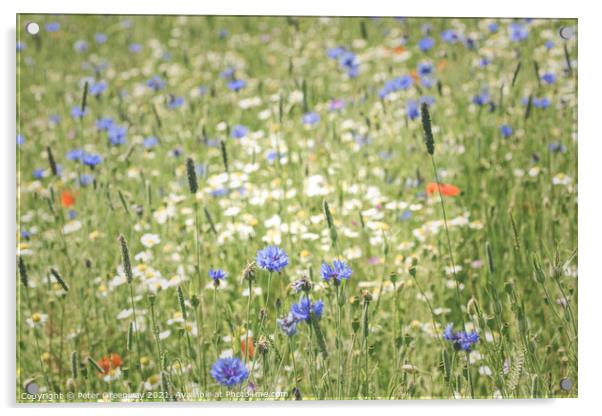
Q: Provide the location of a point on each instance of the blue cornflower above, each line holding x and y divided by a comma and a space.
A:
98, 87
236, 84
21, 46
426, 44
549, 44
25, 234
91, 159
288, 325
272, 258
155, 83
412, 109
310, 118
406, 215
150, 142
239, 131
338, 271
484, 61
220, 192
53, 27
104, 123
100, 38
518, 32
353, 71
39, 173
86, 179
425, 68
117, 135
305, 309
273, 155
427, 82
20, 139
175, 102
481, 99
541, 102
76, 112
449, 36
75, 155
400, 83
548, 78
493, 27
461, 340
427, 99
72, 214
217, 275
361, 139
229, 371
348, 61
80, 46
506, 130
335, 53
227, 73
135, 47
556, 147
301, 285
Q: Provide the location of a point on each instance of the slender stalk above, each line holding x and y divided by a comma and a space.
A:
448, 239
136, 336
248, 317
339, 346
215, 334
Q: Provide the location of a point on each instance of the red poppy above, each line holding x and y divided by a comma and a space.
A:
243, 347
67, 199
112, 361
445, 189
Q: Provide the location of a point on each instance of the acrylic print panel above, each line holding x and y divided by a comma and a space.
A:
295, 208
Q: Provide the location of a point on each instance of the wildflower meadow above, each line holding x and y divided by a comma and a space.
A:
295, 208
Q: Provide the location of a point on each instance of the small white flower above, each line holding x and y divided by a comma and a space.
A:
71, 227
562, 179
37, 320
125, 313
150, 240
113, 375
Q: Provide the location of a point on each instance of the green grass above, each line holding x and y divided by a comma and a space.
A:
512, 231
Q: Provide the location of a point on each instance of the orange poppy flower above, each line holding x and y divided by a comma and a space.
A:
243, 347
445, 189
414, 75
398, 50
112, 361
67, 199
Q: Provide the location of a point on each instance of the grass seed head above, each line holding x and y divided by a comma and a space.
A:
59, 279
428, 132
23, 272
125, 257
193, 184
